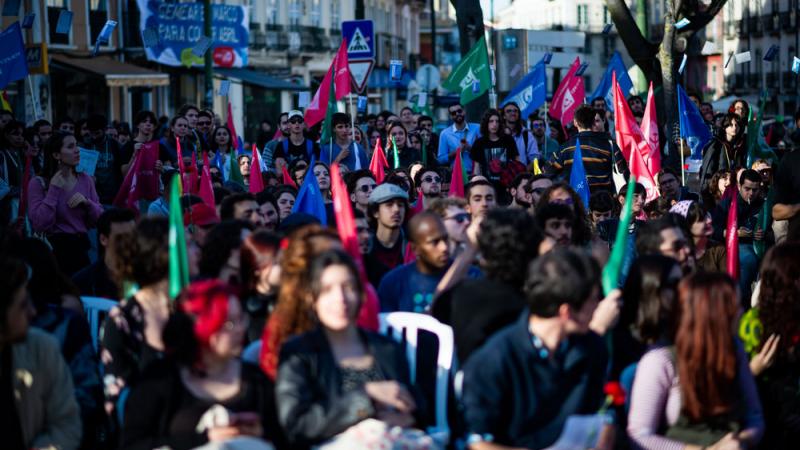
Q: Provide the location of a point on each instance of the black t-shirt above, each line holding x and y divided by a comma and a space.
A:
493, 155
296, 151
787, 187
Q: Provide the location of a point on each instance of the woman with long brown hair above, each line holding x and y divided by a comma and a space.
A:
699, 390
260, 279
777, 363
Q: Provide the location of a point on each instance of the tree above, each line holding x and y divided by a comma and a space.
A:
658, 60
469, 19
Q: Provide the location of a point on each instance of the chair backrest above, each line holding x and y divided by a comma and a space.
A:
409, 324
94, 307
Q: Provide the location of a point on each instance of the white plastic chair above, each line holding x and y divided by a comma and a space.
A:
94, 307
251, 352
410, 324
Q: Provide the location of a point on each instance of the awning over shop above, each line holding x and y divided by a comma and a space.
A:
381, 79
116, 73
260, 79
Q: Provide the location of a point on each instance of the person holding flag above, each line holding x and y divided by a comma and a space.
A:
343, 149
595, 148
457, 138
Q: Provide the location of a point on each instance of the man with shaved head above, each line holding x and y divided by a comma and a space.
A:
410, 287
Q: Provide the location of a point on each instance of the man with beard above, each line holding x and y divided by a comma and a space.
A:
555, 220
526, 144
458, 137
108, 171
411, 287
388, 206
547, 145
521, 193
429, 180
283, 133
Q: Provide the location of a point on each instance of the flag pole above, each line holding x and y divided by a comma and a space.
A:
683, 175
36, 112
352, 121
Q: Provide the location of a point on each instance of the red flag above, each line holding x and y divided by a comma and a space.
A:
256, 182
142, 180
287, 179
194, 181
341, 80
569, 95
457, 179
234, 137
346, 227
650, 132
732, 234
378, 163
318, 107
632, 142
206, 188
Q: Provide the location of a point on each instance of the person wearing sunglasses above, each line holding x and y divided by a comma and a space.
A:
429, 182
456, 219
360, 185
458, 137
298, 146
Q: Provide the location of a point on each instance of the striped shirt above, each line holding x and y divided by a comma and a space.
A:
596, 152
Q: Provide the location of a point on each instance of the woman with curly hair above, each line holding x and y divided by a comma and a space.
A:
777, 361
293, 312
698, 393
131, 338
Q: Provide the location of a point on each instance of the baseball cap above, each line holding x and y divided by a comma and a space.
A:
295, 113
201, 215
386, 192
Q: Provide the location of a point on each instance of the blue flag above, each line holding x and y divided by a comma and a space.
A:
693, 127
217, 161
13, 63
309, 198
531, 92
577, 176
604, 88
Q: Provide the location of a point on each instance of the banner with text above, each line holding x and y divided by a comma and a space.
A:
179, 27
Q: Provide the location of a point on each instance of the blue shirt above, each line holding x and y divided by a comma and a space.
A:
450, 140
328, 154
406, 289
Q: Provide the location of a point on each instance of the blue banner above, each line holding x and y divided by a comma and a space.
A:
577, 176
693, 127
309, 198
531, 91
180, 25
13, 63
604, 88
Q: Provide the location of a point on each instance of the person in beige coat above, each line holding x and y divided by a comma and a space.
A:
33, 375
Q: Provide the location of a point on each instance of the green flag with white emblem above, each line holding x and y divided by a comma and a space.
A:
472, 76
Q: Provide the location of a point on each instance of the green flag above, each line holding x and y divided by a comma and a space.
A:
613, 268
178, 260
474, 66
235, 174
327, 125
757, 147
396, 162
762, 222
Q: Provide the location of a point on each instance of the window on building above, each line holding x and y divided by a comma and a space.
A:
336, 19
272, 12
54, 8
583, 15
606, 18
295, 12
98, 15
316, 14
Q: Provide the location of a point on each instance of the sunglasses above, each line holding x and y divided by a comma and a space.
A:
432, 180
367, 187
537, 125
460, 218
537, 191
296, 121
203, 123
456, 112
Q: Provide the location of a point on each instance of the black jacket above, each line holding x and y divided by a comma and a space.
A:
311, 405
719, 155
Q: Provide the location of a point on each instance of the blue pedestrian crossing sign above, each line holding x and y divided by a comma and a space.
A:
360, 36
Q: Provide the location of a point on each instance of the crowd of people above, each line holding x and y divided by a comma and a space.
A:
274, 343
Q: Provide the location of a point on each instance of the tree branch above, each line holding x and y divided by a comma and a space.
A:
641, 50
699, 19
